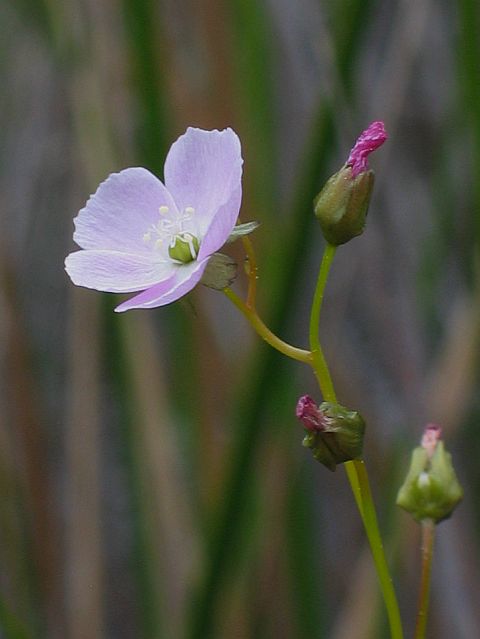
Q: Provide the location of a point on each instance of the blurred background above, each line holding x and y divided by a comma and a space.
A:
152, 481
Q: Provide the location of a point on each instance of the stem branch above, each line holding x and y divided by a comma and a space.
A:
265, 333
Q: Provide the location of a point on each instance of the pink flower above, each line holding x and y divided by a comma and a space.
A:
373, 137
138, 234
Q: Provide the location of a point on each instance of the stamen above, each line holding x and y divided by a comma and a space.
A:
170, 228
165, 226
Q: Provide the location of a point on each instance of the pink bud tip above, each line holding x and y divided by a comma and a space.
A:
430, 438
373, 137
308, 413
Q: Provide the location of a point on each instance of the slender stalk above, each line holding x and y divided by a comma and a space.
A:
356, 470
319, 363
373, 533
428, 537
265, 333
252, 271
352, 476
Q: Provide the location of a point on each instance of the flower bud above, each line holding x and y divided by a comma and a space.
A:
334, 433
342, 204
431, 489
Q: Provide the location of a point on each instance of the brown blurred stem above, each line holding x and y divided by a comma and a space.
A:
428, 538
252, 271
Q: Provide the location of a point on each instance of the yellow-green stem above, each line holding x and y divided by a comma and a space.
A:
373, 534
265, 333
319, 363
356, 470
428, 537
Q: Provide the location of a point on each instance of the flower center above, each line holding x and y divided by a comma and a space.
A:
172, 233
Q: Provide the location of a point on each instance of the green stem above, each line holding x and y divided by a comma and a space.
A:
428, 537
373, 533
319, 363
265, 333
356, 470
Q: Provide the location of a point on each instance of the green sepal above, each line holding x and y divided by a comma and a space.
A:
340, 440
324, 455
220, 272
342, 205
242, 229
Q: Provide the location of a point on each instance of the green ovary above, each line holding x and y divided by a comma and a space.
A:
184, 248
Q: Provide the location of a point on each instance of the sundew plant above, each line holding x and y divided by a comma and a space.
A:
239, 319
138, 234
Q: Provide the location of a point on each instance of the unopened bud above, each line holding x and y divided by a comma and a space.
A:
334, 433
431, 489
342, 204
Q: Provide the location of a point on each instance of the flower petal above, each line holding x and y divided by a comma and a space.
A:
203, 170
116, 272
221, 226
186, 277
121, 211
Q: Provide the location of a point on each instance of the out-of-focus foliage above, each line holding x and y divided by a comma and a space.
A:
152, 479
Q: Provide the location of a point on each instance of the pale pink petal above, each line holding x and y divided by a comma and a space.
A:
121, 211
186, 277
116, 272
203, 170
221, 226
